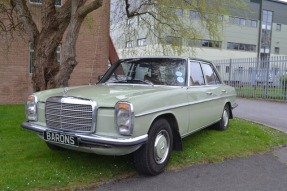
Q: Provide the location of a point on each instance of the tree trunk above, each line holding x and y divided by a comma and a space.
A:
69, 60
47, 73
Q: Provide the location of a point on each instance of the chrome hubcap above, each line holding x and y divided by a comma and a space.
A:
161, 146
225, 118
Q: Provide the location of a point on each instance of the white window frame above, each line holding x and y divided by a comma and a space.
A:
276, 50
278, 27
31, 55
59, 55
39, 2
129, 44
141, 42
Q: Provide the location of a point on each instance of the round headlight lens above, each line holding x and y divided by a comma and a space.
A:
31, 108
124, 118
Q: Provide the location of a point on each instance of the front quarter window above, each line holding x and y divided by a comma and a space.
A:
210, 75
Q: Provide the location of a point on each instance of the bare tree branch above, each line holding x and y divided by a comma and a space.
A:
84, 10
26, 18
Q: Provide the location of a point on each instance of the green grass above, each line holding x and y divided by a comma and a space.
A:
259, 92
27, 163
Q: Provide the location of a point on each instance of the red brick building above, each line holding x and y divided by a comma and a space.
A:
92, 55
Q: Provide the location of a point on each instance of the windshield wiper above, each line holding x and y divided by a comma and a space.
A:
134, 82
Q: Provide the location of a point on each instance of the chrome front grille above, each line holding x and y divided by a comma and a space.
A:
70, 114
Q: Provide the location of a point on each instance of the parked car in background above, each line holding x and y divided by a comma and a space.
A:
143, 106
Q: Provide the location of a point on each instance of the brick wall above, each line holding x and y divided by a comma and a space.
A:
92, 55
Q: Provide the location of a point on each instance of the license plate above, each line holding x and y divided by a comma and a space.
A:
61, 138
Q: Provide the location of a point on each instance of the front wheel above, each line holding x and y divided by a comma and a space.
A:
153, 156
224, 121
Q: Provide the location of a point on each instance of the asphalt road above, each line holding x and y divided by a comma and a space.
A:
270, 113
261, 172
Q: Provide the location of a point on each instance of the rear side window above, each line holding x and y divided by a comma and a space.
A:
209, 74
196, 76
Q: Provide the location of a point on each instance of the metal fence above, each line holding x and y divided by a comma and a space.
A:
255, 78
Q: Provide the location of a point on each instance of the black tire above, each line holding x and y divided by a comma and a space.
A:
153, 156
54, 147
224, 121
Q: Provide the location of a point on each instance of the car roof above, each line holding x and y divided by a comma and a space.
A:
166, 57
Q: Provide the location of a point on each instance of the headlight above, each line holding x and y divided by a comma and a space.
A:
31, 108
124, 118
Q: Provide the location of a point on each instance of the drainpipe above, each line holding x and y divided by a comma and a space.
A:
260, 32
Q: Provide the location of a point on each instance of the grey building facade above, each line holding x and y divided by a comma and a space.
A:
258, 32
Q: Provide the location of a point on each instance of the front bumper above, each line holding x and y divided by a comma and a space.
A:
91, 140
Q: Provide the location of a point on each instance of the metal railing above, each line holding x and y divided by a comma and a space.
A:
255, 78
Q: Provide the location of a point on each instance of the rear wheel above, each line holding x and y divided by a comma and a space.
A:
153, 156
224, 121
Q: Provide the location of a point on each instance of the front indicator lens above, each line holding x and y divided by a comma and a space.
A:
31, 108
124, 118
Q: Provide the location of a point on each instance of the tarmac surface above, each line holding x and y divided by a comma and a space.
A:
269, 113
260, 172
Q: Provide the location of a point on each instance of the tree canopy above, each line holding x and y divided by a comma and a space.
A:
154, 17
157, 19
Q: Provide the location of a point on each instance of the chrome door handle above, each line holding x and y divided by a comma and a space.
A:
209, 93
223, 91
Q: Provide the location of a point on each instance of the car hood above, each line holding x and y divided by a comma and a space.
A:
104, 95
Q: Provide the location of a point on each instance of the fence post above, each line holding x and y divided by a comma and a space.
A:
267, 77
229, 77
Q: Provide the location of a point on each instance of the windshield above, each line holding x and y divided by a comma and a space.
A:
156, 71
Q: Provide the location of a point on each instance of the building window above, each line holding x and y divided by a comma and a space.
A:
242, 21
129, 44
129, 22
236, 20
39, 2
227, 69
59, 57
240, 46
210, 43
267, 20
240, 69
204, 43
277, 50
173, 40
278, 27
194, 43
254, 23
194, 14
220, 17
32, 56
141, 42
218, 68
177, 11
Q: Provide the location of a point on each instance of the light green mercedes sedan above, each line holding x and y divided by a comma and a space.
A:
143, 106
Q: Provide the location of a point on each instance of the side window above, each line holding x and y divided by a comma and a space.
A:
196, 76
209, 74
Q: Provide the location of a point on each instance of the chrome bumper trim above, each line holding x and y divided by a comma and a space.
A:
91, 138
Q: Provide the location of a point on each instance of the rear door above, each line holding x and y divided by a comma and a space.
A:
216, 91
199, 97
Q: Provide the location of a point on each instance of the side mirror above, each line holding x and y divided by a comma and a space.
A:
100, 77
